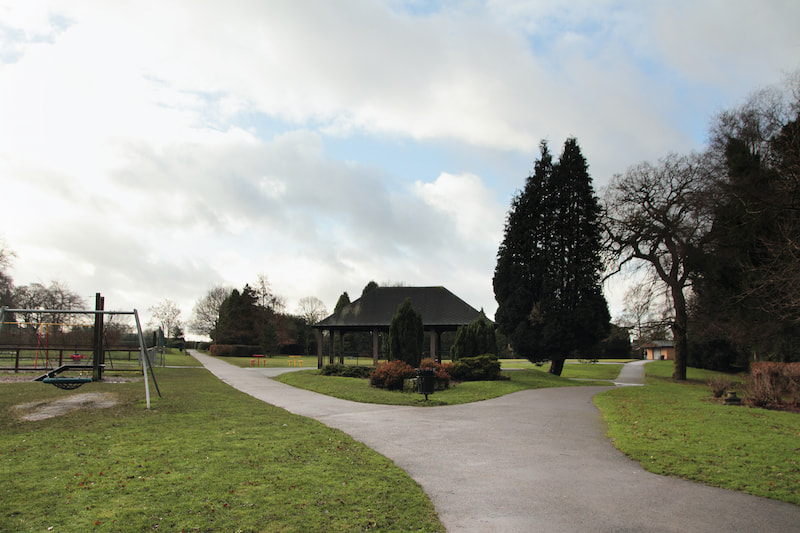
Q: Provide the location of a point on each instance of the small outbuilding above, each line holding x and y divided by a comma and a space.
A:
441, 311
658, 350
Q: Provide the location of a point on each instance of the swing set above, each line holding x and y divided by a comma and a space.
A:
43, 341
99, 345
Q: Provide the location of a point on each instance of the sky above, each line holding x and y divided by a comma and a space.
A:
151, 150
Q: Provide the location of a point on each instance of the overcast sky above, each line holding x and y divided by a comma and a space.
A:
153, 149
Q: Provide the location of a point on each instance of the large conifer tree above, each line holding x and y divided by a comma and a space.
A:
547, 280
406, 335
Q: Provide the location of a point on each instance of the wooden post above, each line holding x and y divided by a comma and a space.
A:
318, 335
375, 347
433, 344
333, 346
97, 344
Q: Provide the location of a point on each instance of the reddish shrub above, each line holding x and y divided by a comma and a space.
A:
719, 385
442, 375
391, 375
773, 384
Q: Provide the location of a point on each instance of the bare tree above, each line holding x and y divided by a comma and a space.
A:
42, 297
6, 281
661, 215
638, 307
166, 315
60, 296
266, 298
647, 307
205, 313
311, 309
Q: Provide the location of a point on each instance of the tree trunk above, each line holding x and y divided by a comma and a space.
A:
556, 366
679, 335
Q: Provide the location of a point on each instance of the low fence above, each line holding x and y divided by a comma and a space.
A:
37, 359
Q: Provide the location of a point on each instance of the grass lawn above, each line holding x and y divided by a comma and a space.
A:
358, 390
283, 361
572, 369
205, 458
678, 429
175, 357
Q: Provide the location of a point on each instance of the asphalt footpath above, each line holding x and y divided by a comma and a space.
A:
531, 461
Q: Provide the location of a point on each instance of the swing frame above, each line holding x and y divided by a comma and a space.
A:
70, 383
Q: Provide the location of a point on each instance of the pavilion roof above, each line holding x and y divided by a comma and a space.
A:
438, 306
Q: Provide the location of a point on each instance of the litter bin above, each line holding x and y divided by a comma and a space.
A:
426, 381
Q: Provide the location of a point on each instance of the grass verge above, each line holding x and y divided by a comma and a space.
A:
677, 429
358, 390
205, 458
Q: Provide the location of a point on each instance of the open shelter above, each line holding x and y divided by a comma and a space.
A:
441, 311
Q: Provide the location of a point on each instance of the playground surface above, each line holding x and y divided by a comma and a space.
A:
535, 460
60, 406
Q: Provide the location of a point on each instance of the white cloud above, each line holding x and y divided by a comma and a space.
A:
163, 147
468, 203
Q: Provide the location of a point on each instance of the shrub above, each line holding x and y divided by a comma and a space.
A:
406, 334
719, 385
234, 350
773, 384
333, 369
481, 368
473, 339
391, 375
346, 371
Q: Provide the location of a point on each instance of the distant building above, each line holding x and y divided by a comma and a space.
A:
441, 311
658, 350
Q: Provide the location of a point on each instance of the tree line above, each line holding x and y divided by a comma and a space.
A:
56, 295
255, 316
713, 235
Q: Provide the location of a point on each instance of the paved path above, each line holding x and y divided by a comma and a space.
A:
535, 460
631, 374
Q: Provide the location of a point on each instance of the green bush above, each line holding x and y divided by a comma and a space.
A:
406, 335
475, 338
480, 368
346, 371
391, 375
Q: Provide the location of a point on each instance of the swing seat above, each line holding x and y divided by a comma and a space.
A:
67, 383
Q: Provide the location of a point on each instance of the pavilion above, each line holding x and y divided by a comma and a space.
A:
441, 311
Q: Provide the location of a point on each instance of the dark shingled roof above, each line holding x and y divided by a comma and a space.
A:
439, 308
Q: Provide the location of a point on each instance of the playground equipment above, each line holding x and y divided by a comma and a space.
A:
98, 360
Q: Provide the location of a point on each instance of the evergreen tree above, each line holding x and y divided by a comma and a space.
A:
368, 287
342, 302
547, 280
239, 319
475, 338
406, 335
747, 295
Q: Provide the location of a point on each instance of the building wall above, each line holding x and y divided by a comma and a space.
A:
665, 352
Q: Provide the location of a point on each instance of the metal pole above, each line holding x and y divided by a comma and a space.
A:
143, 355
